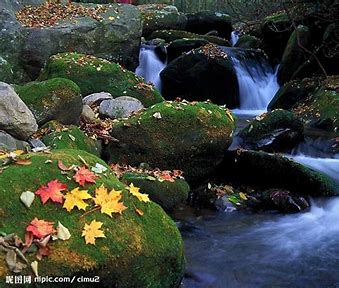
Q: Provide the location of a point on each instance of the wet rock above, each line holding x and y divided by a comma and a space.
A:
248, 42
54, 99
264, 170
294, 55
161, 16
96, 98
191, 137
9, 143
15, 117
121, 107
204, 73
206, 21
330, 53
177, 47
95, 75
276, 131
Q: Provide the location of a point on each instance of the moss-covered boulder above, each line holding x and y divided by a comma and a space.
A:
292, 93
177, 47
265, 171
171, 35
247, 41
137, 251
330, 53
59, 136
294, 55
161, 16
276, 30
206, 21
191, 137
321, 109
204, 73
54, 99
276, 131
96, 75
167, 194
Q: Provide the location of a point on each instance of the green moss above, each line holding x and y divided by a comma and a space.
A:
48, 99
96, 75
276, 18
138, 251
171, 35
248, 42
188, 136
69, 137
167, 194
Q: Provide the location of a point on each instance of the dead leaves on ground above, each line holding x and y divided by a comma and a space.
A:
92, 231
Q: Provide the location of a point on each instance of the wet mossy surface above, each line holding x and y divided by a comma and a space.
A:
98, 75
167, 194
189, 136
138, 251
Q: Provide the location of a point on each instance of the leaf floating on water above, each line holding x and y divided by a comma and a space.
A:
62, 232
92, 231
27, 198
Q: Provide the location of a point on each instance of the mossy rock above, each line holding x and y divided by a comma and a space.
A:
171, 35
265, 171
6, 71
137, 251
248, 42
276, 131
191, 137
200, 76
69, 137
96, 75
159, 17
54, 99
294, 56
330, 53
177, 47
292, 93
167, 194
321, 109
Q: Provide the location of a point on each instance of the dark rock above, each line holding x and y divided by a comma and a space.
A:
248, 42
330, 53
180, 46
204, 73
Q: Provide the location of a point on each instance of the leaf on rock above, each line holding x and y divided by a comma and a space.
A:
83, 175
99, 169
109, 202
27, 198
22, 161
76, 198
63, 167
40, 228
52, 191
34, 266
135, 192
92, 231
139, 212
62, 232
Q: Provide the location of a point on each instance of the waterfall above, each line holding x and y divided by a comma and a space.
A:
234, 37
150, 65
257, 80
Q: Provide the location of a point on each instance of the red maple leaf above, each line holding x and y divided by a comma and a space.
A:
83, 175
40, 228
52, 191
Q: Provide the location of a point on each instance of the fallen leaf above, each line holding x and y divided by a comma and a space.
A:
76, 198
99, 169
62, 232
92, 231
83, 175
242, 196
63, 167
23, 162
135, 192
139, 212
52, 191
157, 115
40, 228
34, 266
27, 198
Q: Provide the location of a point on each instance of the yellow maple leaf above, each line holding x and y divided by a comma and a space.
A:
76, 198
135, 192
92, 231
109, 202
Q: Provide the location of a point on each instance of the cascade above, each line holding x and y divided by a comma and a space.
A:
234, 37
150, 65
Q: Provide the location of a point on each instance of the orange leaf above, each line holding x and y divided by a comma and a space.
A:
52, 191
84, 175
63, 167
40, 228
140, 212
23, 161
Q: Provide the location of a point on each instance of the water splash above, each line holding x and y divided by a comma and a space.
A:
150, 65
234, 37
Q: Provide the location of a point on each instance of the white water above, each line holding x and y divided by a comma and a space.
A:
150, 66
234, 37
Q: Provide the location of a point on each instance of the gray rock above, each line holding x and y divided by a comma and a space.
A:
9, 143
121, 107
96, 98
88, 113
15, 117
